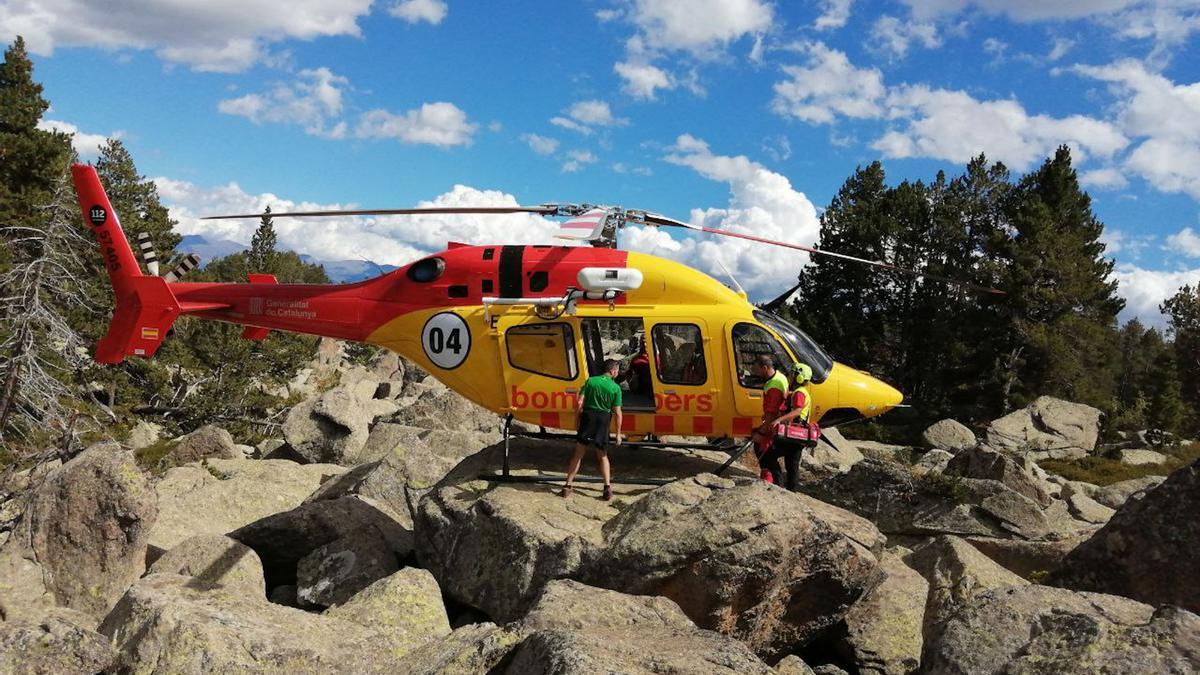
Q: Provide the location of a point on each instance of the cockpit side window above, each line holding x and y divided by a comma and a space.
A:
750, 340
803, 346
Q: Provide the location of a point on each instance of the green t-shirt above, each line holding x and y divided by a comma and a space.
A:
600, 393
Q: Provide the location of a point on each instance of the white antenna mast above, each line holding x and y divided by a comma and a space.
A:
731, 277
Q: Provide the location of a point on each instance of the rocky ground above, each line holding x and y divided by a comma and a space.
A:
363, 540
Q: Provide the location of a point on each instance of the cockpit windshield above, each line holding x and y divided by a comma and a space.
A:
805, 348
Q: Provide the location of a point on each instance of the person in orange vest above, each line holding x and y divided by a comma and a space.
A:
788, 431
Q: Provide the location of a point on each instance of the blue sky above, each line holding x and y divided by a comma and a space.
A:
745, 114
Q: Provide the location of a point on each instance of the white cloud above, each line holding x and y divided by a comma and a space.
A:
313, 101
606, 15
952, 125
595, 113
571, 124
1019, 10
577, 159
208, 35
440, 123
1186, 241
87, 145
414, 11
761, 202
700, 26
1169, 23
1060, 49
1144, 290
834, 14
542, 145
894, 35
642, 80
828, 85
1165, 114
394, 240
1107, 178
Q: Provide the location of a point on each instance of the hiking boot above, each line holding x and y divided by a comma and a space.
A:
566, 492
607, 493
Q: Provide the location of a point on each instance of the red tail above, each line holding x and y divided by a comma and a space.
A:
146, 307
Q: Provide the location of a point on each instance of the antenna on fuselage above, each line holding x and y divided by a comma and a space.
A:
731, 277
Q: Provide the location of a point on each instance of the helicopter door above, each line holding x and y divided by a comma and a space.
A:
687, 391
541, 370
748, 341
623, 340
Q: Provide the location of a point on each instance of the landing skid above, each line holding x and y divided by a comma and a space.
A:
506, 475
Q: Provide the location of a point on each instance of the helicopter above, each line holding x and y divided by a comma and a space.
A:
517, 329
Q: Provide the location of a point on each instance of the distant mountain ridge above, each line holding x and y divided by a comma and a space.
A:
340, 271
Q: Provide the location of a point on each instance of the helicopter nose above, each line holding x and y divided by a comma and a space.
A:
864, 393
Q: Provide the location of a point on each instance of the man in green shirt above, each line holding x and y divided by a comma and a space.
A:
599, 398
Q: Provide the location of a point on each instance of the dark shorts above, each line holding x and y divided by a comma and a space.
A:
593, 428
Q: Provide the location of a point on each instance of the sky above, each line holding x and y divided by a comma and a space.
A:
742, 114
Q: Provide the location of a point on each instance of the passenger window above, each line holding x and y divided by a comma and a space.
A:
545, 348
749, 341
679, 352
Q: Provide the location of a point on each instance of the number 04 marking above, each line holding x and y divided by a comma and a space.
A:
446, 340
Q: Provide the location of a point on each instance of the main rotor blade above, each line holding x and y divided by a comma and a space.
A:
547, 210
655, 219
778, 302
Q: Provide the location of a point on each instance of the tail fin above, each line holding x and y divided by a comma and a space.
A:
145, 305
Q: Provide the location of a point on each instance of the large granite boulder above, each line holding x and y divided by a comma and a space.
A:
207, 442
1030, 559
165, 624
1039, 629
229, 493
884, 630
740, 557
437, 407
474, 648
493, 546
956, 573
570, 605
834, 453
58, 643
87, 527
334, 572
1147, 549
986, 463
214, 560
1048, 428
949, 435
900, 502
633, 650
336, 423
283, 540
407, 605
1116, 494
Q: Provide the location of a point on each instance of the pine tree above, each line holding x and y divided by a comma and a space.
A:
261, 257
1062, 305
1183, 314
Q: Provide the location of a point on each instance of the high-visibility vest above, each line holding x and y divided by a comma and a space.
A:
777, 381
807, 407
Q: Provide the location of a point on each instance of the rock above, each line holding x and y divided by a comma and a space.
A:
406, 605
207, 442
956, 572
1140, 457
1048, 428
949, 435
164, 624
1115, 495
23, 592
884, 629
1039, 629
1149, 546
570, 605
282, 540
56, 643
193, 501
144, 434
493, 546
749, 561
441, 408
885, 452
335, 424
1029, 559
828, 669
214, 560
983, 462
898, 502
858, 529
1087, 509
792, 665
87, 526
333, 573
832, 457
632, 650
285, 594
477, 648
933, 461
419, 458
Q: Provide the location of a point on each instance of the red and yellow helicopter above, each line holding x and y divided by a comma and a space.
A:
517, 329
